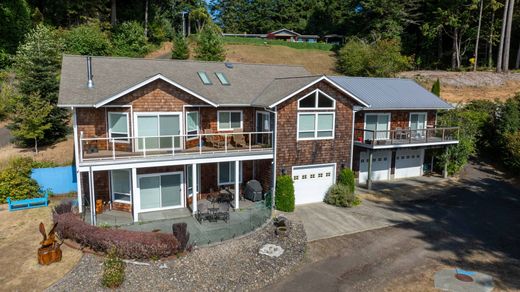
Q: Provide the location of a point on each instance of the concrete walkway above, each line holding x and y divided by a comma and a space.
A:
324, 221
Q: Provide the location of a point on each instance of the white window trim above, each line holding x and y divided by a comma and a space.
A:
198, 124
263, 113
230, 111
240, 176
129, 187
316, 92
418, 113
182, 205
119, 140
375, 134
316, 114
136, 127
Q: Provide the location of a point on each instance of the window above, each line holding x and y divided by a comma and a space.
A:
379, 124
315, 126
204, 77
158, 130
229, 120
192, 124
222, 78
317, 100
121, 186
118, 126
226, 173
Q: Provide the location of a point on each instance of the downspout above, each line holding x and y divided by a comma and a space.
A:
77, 158
354, 111
275, 112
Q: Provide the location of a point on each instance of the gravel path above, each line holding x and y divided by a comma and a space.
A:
233, 265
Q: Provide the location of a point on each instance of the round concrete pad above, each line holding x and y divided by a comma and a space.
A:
445, 280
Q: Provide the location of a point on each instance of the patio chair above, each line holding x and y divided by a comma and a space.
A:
239, 140
400, 133
202, 212
223, 212
214, 140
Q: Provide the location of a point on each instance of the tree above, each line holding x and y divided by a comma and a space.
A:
436, 88
505, 37
37, 63
113, 12
87, 39
180, 48
15, 21
381, 58
129, 40
210, 46
200, 16
32, 118
478, 35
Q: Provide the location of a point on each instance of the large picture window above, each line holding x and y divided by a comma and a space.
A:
313, 126
158, 131
121, 189
226, 173
118, 126
229, 120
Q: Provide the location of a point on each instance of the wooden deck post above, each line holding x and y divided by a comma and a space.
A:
194, 190
136, 199
369, 174
445, 170
237, 183
92, 197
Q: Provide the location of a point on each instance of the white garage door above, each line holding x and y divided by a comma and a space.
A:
311, 182
408, 163
380, 166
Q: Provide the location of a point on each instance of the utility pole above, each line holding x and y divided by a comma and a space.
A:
183, 24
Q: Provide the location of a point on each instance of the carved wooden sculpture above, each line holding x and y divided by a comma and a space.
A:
50, 251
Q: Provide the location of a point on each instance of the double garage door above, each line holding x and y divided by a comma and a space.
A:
408, 163
311, 182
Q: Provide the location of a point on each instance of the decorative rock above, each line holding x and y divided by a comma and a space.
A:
271, 250
163, 266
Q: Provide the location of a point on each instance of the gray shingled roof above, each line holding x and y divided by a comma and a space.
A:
114, 75
391, 93
282, 87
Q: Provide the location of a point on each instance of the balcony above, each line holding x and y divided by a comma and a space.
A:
174, 146
406, 137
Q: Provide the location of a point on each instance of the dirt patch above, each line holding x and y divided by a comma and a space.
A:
19, 242
161, 53
61, 153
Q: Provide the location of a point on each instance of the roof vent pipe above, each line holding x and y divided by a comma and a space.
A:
90, 82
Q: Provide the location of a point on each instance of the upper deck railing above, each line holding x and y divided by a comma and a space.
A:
406, 136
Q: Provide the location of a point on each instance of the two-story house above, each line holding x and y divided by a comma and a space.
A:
155, 135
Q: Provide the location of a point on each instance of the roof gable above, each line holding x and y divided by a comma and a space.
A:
285, 31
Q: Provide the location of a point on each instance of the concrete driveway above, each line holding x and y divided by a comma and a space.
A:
324, 221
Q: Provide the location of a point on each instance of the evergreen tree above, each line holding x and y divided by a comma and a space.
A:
37, 63
210, 46
436, 88
180, 49
15, 21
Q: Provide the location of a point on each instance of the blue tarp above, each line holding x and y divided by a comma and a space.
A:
59, 180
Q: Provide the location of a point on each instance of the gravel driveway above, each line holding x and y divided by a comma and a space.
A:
233, 265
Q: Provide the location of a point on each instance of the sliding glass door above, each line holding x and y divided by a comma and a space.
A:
378, 125
418, 124
162, 191
157, 131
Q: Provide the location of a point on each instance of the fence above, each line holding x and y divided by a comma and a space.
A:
59, 180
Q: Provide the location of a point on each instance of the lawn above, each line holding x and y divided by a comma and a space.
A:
19, 242
264, 42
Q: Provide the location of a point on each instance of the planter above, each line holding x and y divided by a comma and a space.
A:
281, 231
50, 254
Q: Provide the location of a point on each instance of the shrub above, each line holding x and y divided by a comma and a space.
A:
341, 196
127, 244
113, 270
512, 146
180, 231
87, 39
346, 177
210, 46
129, 40
284, 195
180, 49
16, 181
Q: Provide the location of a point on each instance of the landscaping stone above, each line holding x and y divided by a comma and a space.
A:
271, 250
232, 265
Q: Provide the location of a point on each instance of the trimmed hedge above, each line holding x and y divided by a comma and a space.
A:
346, 177
127, 244
284, 196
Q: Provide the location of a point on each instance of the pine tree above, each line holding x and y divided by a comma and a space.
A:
210, 46
436, 88
180, 49
37, 63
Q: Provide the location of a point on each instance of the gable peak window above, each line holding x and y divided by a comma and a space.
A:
317, 100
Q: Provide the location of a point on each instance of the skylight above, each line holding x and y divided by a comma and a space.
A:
204, 77
222, 78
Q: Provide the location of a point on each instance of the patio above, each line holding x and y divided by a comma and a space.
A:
250, 216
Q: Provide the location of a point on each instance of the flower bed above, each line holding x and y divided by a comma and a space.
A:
128, 244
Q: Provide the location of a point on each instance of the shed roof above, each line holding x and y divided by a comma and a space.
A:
391, 93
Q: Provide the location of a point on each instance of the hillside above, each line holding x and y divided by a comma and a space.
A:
456, 87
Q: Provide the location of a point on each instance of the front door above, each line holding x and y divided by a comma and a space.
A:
160, 191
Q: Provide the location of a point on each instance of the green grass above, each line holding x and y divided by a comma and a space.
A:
265, 42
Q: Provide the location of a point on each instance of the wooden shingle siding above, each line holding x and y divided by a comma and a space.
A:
291, 152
